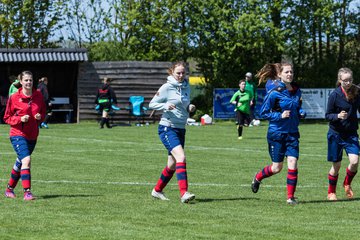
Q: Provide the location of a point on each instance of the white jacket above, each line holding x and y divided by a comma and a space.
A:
172, 92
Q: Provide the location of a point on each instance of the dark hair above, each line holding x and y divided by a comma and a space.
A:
242, 80
25, 73
171, 69
106, 80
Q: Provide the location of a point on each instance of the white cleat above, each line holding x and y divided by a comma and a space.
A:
187, 197
291, 201
159, 195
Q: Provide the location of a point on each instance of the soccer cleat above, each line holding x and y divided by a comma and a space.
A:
44, 125
332, 197
291, 201
240, 138
159, 195
255, 185
9, 193
348, 191
187, 197
28, 196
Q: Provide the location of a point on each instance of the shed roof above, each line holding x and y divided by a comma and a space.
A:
43, 55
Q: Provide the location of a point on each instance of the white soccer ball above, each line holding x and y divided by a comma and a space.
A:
256, 122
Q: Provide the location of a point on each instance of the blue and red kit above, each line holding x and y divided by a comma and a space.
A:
20, 105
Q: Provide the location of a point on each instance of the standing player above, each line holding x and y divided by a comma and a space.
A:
25, 111
341, 112
281, 107
173, 98
241, 99
42, 87
105, 97
251, 87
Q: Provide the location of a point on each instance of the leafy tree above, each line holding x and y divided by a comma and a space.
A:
29, 23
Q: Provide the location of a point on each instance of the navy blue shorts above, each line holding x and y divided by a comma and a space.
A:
171, 137
22, 147
283, 144
336, 145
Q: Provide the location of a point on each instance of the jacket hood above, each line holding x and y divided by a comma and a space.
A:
105, 86
171, 80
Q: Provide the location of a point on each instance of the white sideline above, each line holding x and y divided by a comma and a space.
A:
174, 184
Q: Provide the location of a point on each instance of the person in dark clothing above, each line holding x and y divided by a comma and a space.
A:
42, 87
282, 107
105, 97
341, 112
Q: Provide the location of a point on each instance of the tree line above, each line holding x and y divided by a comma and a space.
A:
225, 38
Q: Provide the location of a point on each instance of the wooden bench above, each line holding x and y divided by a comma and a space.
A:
62, 104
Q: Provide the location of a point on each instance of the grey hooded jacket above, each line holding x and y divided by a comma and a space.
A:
172, 92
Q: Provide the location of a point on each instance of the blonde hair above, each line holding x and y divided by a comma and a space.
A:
352, 92
268, 71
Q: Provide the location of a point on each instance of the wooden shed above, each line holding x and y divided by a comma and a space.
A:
59, 65
73, 81
128, 78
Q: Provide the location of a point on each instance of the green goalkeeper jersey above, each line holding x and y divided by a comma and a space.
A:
244, 98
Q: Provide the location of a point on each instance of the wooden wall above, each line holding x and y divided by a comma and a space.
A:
128, 78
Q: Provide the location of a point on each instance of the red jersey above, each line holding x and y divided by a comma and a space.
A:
19, 105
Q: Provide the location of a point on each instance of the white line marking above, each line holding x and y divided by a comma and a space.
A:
174, 184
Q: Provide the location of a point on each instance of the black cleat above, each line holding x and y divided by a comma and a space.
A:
255, 185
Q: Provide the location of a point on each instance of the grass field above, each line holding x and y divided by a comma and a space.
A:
95, 183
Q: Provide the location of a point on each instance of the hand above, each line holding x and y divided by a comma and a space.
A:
285, 114
37, 116
191, 108
302, 113
25, 118
343, 115
171, 106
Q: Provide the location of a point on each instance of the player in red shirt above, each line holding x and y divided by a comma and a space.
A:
25, 110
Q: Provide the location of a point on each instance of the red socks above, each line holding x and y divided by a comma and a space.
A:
165, 177
14, 178
181, 176
265, 173
26, 178
332, 183
349, 177
291, 182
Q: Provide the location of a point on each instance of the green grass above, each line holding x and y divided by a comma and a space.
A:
96, 184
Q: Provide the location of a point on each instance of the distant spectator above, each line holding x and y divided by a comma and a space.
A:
105, 97
42, 87
251, 87
241, 99
14, 84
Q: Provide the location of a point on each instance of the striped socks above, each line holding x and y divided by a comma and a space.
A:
181, 176
165, 177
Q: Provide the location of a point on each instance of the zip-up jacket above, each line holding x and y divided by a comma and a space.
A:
172, 92
19, 105
276, 102
336, 103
